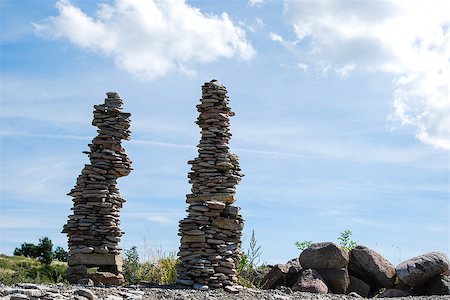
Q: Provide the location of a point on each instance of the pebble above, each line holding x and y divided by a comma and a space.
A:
85, 293
176, 293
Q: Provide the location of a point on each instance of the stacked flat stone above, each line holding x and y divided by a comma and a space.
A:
93, 228
211, 232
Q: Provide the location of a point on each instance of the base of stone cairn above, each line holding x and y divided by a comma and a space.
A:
95, 269
326, 268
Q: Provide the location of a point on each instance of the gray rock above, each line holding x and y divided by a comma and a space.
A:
417, 270
200, 287
391, 293
371, 267
113, 297
185, 281
324, 256
276, 277
95, 259
354, 295
337, 280
231, 289
85, 293
18, 297
358, 286
310, 281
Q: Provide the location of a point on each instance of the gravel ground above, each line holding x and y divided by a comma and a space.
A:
54, 292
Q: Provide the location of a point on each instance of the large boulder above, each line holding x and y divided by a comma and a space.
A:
439, 285
310, 281
358, 286
276, 277
371, 267
417, 270
337, 280
324, 256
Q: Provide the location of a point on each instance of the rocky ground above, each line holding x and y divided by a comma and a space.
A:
56, 292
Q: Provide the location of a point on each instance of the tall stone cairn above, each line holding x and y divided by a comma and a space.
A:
93, 228
211, 232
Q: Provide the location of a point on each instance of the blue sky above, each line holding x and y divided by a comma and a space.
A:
342, 116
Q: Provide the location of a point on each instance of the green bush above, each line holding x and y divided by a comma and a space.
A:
60, 254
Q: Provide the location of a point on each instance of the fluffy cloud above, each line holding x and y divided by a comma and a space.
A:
149, 38
409, 39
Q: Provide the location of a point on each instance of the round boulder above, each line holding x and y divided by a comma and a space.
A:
324, 256
310, 281
419, 269
371, 267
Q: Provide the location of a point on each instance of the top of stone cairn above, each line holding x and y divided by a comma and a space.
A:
118, 127
215, 172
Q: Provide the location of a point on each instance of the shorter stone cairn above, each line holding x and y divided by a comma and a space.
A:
327, 268
211, 232
93, 228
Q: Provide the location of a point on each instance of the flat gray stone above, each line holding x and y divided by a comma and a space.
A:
200, 287
85, 293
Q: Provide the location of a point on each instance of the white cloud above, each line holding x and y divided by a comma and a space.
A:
257, 24
149, 38
276, 37
303, 66
255, 3
345, 71
163, 220
408, 39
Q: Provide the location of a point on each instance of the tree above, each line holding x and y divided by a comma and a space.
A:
131, 265
42, 252
45, 251
27, 249
60, 254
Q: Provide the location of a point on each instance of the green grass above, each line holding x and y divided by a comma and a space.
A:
161, 269
19, 269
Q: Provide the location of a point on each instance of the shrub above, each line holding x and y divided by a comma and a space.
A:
345, 241
161, 270
303, 245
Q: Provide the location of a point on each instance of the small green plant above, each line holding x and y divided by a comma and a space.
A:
249, 262
346, 242
160, 270
254, 252
303, 245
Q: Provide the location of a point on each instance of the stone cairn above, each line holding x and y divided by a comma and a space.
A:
93, 228
211, 232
